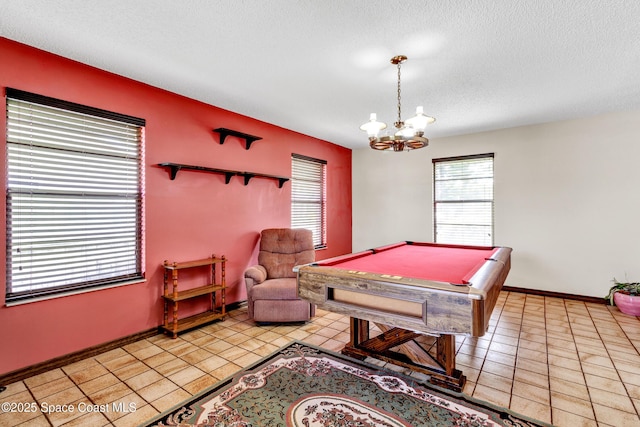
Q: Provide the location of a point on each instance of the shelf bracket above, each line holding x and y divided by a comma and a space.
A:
173, 169
248, 175
248, 139
227, 176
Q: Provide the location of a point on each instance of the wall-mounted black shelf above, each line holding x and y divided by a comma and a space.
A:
248, 139
248, 175
174, 168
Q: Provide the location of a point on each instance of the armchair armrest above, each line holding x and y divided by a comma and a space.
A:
257, 273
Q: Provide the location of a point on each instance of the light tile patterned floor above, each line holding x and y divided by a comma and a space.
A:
561, 361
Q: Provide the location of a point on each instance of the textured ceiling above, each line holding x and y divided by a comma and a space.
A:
320, 67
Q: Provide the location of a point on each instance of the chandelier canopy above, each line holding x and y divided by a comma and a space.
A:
409, 134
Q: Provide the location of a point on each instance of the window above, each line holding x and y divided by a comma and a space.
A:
463, 200
74, 197
308, 197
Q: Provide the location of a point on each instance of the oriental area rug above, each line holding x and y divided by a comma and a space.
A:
304, 386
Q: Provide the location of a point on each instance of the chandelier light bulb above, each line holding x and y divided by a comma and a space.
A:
373, 126
406, 132
420, 121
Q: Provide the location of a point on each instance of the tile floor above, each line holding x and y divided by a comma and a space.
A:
564, 362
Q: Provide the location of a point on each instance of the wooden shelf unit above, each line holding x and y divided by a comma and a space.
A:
172, 296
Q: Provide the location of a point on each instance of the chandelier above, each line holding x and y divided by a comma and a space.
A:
409, 134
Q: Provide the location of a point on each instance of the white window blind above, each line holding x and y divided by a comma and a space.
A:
463, 200
308, 196
74, 196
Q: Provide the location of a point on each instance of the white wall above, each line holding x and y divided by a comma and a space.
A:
567, 199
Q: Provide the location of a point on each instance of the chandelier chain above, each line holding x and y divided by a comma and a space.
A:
398, 124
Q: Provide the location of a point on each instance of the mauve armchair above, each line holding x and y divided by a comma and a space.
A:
272, 293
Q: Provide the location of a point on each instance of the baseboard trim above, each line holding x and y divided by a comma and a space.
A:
59, 362
582, 298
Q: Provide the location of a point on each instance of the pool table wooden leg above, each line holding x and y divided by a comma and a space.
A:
446, 353
441, 368
359, 331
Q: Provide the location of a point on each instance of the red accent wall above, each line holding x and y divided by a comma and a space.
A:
190, 217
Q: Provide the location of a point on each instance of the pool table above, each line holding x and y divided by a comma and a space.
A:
411, 289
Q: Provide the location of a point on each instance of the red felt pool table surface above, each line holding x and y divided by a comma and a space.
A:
437, 262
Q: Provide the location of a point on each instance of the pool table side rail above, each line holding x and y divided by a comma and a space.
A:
359, 295
356, 276
488, 282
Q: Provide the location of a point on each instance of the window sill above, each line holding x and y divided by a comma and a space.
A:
73, 292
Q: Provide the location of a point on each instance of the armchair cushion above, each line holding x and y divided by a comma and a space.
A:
276, 289
281, 249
